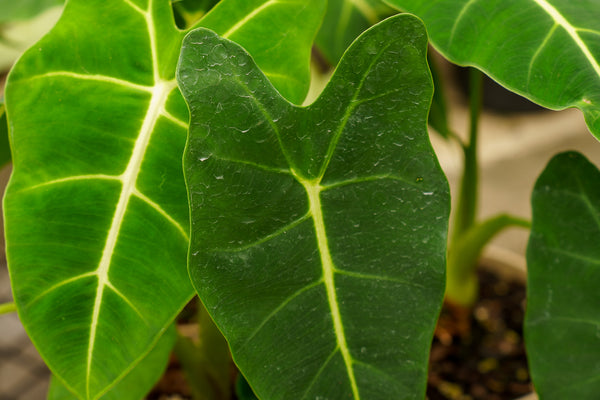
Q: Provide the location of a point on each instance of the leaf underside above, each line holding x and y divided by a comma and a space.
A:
318, 233
545, 50
562, 322
96, 214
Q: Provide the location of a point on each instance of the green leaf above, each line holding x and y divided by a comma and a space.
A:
438, 113
138, 382
279, 37
4, 145
562, 322
24, 9
344, 21
206, 362
318, 233
243, 391
188, 12
545, 50
96, 210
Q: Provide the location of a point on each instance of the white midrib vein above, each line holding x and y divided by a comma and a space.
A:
572, 31
313, 189
128, 178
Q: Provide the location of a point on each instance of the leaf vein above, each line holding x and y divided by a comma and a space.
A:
252, 164
280, 307
458, 19
162, 212
571, 31
319, 372
264, 239
95, 78
349, 110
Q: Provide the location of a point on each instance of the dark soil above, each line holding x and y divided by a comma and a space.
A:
489, 362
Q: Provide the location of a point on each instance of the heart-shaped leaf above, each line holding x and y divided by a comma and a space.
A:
96, 210
138, 382
562, 323
318, 233
545, 50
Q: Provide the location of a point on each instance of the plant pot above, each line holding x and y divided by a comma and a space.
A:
487, 359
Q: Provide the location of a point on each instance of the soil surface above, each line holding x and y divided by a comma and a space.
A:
487, 363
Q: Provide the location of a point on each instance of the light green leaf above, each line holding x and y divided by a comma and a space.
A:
545, 50
96, 210
318, 233
138, 382
344, 21
562, 322
24, 9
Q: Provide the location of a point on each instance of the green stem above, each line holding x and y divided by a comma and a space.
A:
8, 308
467, 198
461, 279
207, 365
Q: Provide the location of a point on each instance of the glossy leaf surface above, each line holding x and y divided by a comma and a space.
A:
138, 382
96, 210
562, 322
344, 21
319, 232
545, 50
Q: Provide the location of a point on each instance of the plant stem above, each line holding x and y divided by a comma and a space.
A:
461, 280
467, 198
6, 308
207, 365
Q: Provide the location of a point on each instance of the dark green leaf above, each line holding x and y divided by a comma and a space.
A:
188, 12
318, 233
344, 21
138, 382
438, 114
4, 145
545, 50
243, 391
96, 210
562, 324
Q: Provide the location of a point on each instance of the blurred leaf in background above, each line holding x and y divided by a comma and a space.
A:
344, 21
188, 12
21, 10
22, 23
